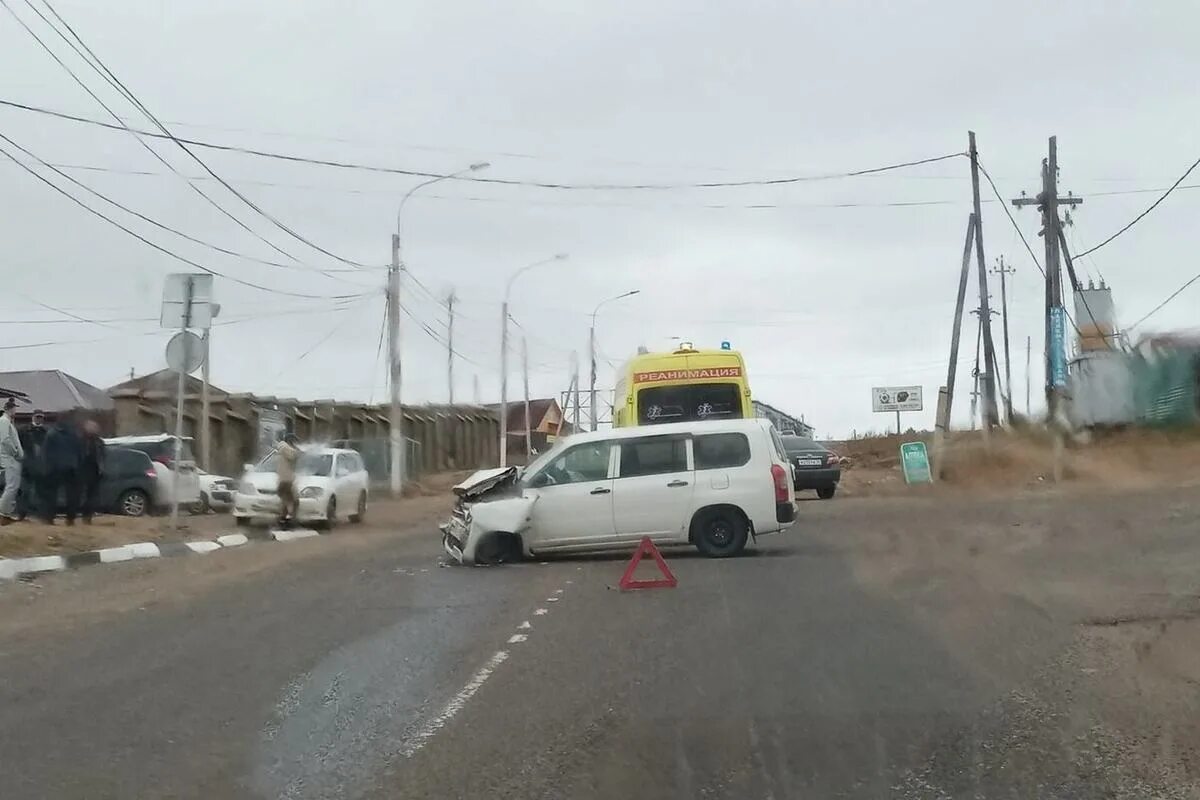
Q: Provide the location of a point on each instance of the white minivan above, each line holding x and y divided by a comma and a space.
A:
711, 484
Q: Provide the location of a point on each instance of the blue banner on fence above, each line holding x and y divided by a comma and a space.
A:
1058, 352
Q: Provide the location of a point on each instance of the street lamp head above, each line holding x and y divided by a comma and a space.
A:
560, 256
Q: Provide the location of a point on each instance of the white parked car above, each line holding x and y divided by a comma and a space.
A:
711, 484
216, 492
331, 484
182, 477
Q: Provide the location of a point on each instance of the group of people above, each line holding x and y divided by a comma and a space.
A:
39, 464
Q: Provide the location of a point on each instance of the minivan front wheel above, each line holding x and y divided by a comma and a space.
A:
719, 532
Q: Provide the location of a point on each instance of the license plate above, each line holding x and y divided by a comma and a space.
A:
808, 462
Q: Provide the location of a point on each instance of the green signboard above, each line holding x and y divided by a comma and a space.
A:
915, 461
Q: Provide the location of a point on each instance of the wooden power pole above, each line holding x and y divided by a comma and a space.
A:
1004, 270
990, 411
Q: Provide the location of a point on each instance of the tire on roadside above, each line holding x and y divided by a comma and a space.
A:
133, 503
720, 532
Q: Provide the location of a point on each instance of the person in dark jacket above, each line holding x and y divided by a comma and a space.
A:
91, 468
62, 455
33, 438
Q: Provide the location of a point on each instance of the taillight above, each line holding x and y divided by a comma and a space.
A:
832, 459
166, 461
150, 473
779, 477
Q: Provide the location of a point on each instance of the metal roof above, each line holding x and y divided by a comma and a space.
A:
53, 390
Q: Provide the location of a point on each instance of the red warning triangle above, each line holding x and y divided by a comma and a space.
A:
647, 548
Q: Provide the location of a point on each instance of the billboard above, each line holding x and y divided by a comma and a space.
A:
896, 398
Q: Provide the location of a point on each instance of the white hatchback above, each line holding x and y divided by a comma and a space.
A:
332, 485
711, 484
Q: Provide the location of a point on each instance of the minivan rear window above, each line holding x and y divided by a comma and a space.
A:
720, 450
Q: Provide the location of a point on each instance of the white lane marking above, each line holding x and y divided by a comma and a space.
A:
539, 612
558, 591
291, 536
524, 626
202, 547
552, 599
232, 540
570, 582
517, 638
108, 555
430, 728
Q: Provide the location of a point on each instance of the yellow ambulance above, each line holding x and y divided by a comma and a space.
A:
682, 386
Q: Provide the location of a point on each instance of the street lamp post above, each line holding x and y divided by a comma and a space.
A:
592, 348
504, 352
395, 416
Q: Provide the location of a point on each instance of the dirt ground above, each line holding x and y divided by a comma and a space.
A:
1081, 605
34, 538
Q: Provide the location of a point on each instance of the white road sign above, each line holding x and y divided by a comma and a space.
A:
174, 304
896, 398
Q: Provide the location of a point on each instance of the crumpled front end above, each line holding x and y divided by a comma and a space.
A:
473, 524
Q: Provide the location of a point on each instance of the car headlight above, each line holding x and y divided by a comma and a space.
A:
310, 492
247, 488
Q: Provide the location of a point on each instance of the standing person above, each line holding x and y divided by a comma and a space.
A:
91, 468
288, 454
62, 454
33, 438
11, 455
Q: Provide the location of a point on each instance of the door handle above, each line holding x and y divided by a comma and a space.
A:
600, 490
675, 484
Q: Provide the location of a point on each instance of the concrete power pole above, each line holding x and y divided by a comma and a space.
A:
395, 415
1004, 270
1028, 360
990, 412
525, 378
1048, 202
450, 346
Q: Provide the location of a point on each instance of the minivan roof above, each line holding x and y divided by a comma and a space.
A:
696, 426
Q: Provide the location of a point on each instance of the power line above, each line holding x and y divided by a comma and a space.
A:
160, 248
175, 231
1170, 297
1139, 217
103, 70
481, 179
329, 335
127, 129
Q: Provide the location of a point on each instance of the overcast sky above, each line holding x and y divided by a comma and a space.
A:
824, 299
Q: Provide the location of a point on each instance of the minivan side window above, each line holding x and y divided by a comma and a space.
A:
653, 455
579, 464
720, 450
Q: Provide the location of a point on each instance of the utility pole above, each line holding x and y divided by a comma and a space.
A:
990, 412
450, 345
592, 381
189, 292
478, 396
1004, 270
573, 396
1028, 353
525, 375
1048, 202
205, 432
395, 414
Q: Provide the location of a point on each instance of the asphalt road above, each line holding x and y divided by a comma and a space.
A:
373, 672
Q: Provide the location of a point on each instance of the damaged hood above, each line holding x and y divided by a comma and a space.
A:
485, 481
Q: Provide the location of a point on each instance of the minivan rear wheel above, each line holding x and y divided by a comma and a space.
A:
719, 532
133, 503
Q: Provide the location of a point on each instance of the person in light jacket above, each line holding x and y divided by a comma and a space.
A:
11, 454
